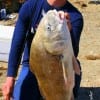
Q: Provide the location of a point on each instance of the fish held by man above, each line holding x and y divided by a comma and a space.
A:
51, 57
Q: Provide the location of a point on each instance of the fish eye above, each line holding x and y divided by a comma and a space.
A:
49, 27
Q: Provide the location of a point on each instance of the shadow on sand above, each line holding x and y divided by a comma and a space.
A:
94, 2
89, 93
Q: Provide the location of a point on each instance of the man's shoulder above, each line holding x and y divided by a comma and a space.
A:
28, 7
31, 4
71, 7
74, 12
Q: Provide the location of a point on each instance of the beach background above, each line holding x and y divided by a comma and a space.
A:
89, 53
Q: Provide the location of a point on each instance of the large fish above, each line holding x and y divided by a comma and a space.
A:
51, 57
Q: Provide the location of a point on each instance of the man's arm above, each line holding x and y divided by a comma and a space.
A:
18, 41
15, 52
77, 26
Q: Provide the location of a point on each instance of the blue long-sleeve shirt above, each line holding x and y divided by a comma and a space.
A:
23, 24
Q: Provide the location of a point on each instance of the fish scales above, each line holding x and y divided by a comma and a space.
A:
51, 57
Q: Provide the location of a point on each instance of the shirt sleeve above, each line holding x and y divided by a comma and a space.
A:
18, 41
77, 26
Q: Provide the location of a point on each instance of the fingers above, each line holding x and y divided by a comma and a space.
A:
61, 14
7, 88
6, 92
76, 66
65, 15
7, 97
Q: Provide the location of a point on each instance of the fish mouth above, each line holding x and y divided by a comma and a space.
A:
59, 43
56, 47
54, 42
58, 40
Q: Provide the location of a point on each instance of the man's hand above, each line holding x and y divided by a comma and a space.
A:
67, 16
76, 66
7, 88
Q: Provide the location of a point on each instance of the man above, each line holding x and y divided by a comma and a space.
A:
26, 86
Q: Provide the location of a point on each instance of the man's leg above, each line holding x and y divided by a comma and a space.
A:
26, 87
77, 85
